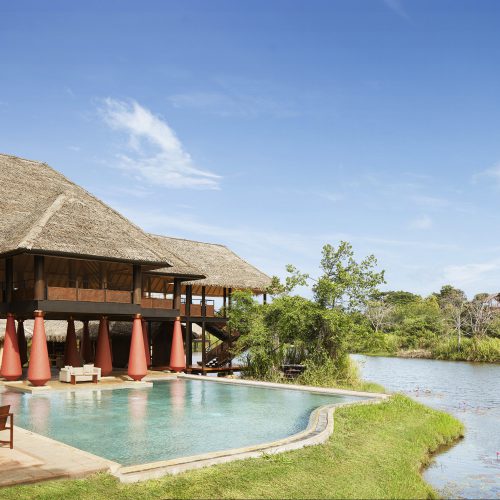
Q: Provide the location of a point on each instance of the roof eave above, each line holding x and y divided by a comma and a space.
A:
55, 253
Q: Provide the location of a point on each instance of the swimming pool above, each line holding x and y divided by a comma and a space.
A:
172, 419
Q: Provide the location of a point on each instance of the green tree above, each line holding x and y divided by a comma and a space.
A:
398, 298
346, 283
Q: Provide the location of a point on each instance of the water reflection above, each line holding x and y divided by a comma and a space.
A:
178, 398
39, 409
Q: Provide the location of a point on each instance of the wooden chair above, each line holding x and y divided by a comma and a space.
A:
4, 417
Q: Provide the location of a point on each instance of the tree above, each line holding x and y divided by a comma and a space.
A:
453, 303
379, 313
398, 297
346, 283
480, 315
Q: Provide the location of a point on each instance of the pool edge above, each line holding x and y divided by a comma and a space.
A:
320, 427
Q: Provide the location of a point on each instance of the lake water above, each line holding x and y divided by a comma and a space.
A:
469, 391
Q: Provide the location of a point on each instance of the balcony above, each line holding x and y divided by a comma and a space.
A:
24, 291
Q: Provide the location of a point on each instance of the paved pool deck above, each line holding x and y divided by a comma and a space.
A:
117, 380
38, 458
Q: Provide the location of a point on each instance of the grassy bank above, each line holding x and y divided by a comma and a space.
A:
376, 451
486, 349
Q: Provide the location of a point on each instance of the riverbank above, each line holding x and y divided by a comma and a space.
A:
376, 451
468, 391
486, 350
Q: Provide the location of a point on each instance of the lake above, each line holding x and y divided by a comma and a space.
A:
469, 391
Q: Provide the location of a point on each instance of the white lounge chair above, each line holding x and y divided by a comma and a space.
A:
85, 373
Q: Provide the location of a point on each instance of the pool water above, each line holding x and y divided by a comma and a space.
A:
172, 419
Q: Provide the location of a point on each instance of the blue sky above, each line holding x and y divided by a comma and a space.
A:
274, 126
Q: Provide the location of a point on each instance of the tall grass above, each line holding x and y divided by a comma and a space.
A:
479, 349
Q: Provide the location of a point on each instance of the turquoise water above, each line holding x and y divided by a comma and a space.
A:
169, 420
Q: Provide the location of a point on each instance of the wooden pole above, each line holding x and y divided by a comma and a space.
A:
137, 284
105, 281
264, 298
39, 271
230, 342
177, 294
203, 332
9, 279
224, 301
189, 326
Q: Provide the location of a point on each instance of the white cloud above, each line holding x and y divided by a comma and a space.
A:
422, 222
155, 153
430, 201
492, 173
480, 274
395, 6
246, 105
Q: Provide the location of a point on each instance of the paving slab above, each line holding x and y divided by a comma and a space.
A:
39, 458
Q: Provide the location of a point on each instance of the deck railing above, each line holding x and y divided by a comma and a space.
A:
24, 290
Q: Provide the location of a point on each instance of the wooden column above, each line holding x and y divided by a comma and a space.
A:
137, 284
230, 341
104, 281
177, 294
40, 285
264, 298
189, 326
9, 279
203, 332
224, 301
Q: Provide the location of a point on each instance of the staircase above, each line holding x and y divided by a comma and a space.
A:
219, 355
217, 330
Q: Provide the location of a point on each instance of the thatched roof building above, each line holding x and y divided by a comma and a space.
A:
221, 266
42, 211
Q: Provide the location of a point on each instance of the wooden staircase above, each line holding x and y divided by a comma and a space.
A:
219, 356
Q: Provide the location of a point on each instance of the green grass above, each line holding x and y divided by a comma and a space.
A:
376, 451
485, 350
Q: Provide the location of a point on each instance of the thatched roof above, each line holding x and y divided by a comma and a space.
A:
55, 330
42, 211
221, 266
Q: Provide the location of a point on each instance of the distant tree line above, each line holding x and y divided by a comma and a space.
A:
445, 325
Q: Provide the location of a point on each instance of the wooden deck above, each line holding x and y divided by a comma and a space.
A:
221, 369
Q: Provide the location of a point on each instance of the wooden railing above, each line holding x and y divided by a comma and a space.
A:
77, 294
88, 295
